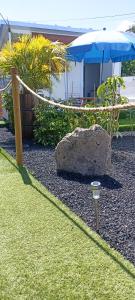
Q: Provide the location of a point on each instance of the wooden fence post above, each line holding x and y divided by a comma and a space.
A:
17, 117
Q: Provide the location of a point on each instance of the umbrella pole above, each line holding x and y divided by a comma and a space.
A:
101, 70
113, 69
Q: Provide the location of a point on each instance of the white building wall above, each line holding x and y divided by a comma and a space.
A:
74, 80
107, 70
59, 88
129, 91
110, 69
70, 83
116, 69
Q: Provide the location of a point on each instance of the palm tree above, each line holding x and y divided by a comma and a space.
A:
37, 60
132, 29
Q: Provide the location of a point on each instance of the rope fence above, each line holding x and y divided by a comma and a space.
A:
6, 87
1, 91
76, 108
16, 80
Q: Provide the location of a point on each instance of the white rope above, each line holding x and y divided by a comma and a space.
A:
6, 87
75, 108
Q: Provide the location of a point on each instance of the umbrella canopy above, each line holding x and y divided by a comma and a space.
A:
103, 46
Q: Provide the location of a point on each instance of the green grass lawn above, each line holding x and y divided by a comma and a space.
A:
127, 121
46, 252
126, 125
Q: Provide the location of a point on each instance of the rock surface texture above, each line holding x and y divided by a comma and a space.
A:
85, 151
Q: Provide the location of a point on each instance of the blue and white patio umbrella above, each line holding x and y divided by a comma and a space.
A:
102, 47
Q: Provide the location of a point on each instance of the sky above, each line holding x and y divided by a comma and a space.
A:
74, 13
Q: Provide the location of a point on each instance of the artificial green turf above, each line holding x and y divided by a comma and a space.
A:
46, 252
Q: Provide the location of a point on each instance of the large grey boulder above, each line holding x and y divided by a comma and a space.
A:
85, 151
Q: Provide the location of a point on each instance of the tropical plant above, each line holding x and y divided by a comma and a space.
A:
37, 60
132, 29
109, 93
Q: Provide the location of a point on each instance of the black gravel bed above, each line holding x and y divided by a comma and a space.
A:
117, 202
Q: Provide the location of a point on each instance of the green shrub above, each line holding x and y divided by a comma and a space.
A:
52, 124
